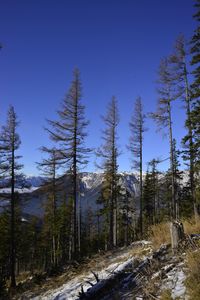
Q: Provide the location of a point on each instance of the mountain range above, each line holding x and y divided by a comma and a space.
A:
33, 195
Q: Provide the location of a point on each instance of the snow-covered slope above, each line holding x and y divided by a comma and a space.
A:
132, 272
105, 267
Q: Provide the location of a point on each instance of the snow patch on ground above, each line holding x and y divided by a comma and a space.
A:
71, 289
142, 243
175, 282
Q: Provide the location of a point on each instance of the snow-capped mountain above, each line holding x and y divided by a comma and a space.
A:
34, 197
34, 181
23, 184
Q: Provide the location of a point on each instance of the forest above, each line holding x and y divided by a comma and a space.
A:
45, 245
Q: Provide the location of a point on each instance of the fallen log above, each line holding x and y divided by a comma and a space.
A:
128, 275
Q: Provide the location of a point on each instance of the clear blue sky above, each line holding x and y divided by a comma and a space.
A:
116, 44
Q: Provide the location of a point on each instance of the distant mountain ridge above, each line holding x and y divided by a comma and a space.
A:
34, 197
29, 181
89, 190
24, 184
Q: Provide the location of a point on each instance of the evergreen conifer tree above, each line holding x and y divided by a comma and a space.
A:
49, 167
10, 167
195, 114
109, 153
70, 133
136, 147
180, 69
163, 116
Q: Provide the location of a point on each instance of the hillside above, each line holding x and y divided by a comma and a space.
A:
134, 272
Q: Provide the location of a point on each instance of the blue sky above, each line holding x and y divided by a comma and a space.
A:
116, 44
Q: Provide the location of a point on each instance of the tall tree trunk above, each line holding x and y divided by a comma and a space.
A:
12, 223
115, 227
74, 238
191, 154
154, 198
54, 215
75, 179
109, 153
111, 235
174, 212
141, 182
114, 213
113, 188
71, 235
136, 147
79, 221
126, 226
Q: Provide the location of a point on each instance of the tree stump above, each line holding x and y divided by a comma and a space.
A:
177, 235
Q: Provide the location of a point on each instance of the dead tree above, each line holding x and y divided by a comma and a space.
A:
136, 147
108, 153
177, 235
163, 118
9, 144
70, 132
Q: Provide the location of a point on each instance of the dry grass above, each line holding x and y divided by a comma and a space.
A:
193, 275
23, 276
190, 226
193, 261
166, 295
160, 234
140, 252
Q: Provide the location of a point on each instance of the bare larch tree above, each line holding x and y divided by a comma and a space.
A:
70, 133
136, 147
108, 153
163, 117
9, 144
178, 61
